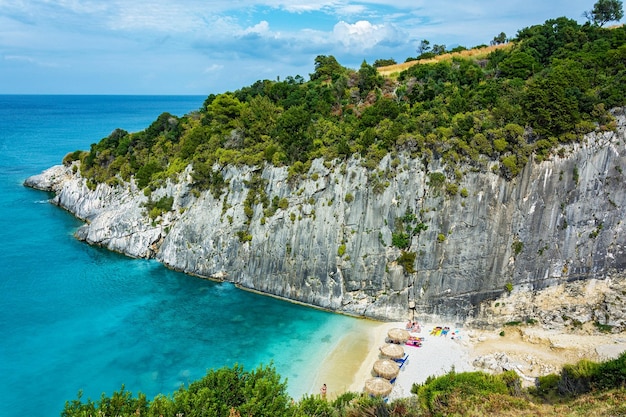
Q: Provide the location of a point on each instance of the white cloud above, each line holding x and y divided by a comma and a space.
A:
237, 41
213, 68
300, 6
261, 28
362, 35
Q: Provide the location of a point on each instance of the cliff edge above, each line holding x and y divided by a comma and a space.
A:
384, 244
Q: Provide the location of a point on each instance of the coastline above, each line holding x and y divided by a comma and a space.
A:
350, 364
531, 351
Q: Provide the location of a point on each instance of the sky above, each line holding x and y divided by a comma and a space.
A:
193, 47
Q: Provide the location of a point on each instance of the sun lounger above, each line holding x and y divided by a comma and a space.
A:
402, 360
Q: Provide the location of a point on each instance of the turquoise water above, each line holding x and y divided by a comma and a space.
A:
74, 317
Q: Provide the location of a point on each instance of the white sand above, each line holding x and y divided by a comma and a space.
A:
351, 363
437, 356
534, 350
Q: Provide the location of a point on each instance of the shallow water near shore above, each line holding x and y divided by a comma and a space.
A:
75, 317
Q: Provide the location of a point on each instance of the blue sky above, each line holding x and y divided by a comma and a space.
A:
203, 47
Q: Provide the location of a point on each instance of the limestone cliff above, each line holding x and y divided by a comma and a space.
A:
329, 244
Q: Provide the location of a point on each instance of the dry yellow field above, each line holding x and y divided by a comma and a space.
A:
476, 52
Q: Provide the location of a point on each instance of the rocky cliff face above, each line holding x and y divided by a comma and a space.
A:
330, 242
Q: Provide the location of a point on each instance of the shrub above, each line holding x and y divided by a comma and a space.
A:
157, 208
577, 379
71, 157
435, 393
341, 250
452, 189
437, 179
283, 203
604, 328
400, 240
547, 386
349, 198
260, 393
244, 236
407, 260
313, 405
611, 374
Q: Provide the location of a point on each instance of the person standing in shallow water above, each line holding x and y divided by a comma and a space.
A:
323, 391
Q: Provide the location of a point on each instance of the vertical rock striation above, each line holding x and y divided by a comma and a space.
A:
331, 242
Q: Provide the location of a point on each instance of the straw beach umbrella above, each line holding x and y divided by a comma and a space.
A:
392, 351
386, 368
398, 335
378, 386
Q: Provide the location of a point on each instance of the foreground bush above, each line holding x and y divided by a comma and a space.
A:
221, 392
453, 392
232, 392
586, 376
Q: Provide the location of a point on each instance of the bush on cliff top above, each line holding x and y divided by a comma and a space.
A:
554, 84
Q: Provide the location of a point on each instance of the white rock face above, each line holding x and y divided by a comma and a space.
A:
560, 221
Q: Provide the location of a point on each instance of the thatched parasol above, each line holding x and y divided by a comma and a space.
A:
398, 335
392, 351
378, 386
386, 368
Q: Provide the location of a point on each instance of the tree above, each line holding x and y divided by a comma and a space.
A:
291, 132
384, 62
423, 47
605, 11
326, 67
439, 49
500, 39
368, 78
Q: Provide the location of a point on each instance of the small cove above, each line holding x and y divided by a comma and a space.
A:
76, 317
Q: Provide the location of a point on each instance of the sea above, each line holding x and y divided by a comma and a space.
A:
74, 317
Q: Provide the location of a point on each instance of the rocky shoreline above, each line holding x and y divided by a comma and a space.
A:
331, 244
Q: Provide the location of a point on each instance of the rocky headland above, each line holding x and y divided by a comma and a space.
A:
546, 247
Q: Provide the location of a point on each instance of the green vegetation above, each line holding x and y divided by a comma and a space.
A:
407, 260
157, 208
583, 389
437, 395
405, 228
605, 11
554, 83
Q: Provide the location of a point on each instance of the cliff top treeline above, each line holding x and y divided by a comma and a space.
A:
556, 82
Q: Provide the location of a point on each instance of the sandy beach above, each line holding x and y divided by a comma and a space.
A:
351, 363
529, 350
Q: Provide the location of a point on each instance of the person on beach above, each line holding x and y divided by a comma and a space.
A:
323, 391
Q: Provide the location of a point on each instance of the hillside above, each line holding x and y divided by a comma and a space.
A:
473, 53
458, 182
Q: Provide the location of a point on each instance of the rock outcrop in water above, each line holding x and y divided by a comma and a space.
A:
330, 243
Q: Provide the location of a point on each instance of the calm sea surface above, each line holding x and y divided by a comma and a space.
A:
75, 317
